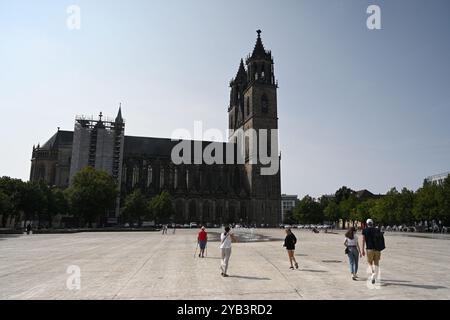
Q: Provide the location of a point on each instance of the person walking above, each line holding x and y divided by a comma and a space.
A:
225, 247
373, 241
352, 250
290, 242
29, 228
202, 239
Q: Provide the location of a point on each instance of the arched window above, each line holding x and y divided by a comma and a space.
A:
187, 178
149, 175
175, 178
161, 178
135, 176
124, 174
264, 104
248, 106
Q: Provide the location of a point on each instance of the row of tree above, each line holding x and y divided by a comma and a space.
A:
138, 206
91, 197
430, 202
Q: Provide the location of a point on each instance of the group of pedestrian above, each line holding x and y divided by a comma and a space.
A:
372, 245
165, 228
372, 241
226, 238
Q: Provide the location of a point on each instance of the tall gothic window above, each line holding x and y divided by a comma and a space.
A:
175, 178
149, 175
124, 174
135, 175
187, 178
264, 104
248, 106
161, 179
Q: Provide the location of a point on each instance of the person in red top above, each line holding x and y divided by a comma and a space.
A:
202, 239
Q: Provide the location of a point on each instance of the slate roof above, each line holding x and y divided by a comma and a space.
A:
61, 137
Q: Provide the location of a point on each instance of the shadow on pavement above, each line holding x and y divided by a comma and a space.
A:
420, 286
5, 236
396, 281
249, 278
312, 270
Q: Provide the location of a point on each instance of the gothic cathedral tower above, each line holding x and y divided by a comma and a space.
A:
253, 105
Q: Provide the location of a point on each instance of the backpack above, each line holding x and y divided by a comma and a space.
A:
378, 240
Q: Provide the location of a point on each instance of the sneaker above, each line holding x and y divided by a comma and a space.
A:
225, 275
373, 278
292, 268
353, 277
296, 265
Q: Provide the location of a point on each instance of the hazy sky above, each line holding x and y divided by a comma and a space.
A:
361, 108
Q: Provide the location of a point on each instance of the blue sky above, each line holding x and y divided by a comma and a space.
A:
361, 108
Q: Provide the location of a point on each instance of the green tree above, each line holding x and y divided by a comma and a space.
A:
32, 200
92, 194
161, 207
136, 206
347, 208
308, 210
331, 212
445, 205
57, 203
426, 202
13, 188
342, 194
5, 207
364, 210
405, 204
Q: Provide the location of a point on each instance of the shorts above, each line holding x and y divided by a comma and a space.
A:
373, 256
202, 244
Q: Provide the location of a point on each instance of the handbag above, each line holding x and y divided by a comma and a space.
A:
346, 250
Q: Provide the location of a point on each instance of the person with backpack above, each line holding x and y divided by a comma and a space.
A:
225, 247
352, 250
373, 241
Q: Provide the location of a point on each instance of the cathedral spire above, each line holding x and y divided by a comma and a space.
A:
119, 118
259, 51
241, 74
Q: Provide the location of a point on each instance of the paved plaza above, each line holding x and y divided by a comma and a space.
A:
149, 265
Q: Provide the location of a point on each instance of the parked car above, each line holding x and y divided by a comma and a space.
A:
193, 225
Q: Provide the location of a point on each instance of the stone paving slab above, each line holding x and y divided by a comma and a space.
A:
149, 265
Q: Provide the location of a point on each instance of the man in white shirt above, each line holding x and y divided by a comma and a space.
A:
226, 238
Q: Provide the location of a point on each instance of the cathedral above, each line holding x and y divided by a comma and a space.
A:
216, 193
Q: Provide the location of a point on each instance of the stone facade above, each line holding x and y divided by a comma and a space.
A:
202, 193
